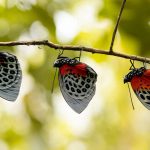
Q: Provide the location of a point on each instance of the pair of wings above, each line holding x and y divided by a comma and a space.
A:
141, 87
78, 90
10, 76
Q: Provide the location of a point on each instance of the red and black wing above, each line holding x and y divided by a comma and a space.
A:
77, 84
141, 87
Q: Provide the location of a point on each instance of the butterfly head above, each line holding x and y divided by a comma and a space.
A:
134, 72
65, 60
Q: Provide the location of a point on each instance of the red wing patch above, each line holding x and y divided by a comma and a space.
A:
79, 69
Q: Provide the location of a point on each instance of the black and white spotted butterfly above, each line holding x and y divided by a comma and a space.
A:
77, 82
10, 76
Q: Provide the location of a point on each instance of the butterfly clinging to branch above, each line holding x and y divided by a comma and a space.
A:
77, 82
10, 76
140, 82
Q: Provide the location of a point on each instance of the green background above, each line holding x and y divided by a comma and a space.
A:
41, 120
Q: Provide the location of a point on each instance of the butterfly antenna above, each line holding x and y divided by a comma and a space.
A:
79, 57
60, 53
132, 64
80, 54
144, 63
53, 83
131, 96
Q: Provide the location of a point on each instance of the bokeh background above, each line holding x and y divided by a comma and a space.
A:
41, 120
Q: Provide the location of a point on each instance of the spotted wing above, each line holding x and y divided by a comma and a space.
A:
10, 76
78, 90
141, 87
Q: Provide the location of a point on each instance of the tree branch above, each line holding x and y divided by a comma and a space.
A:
75, 48
82, 48
116, 27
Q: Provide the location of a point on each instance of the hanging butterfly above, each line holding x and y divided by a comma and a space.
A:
10, 76
77, 82
140, 82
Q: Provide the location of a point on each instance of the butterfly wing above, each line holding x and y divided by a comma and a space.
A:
141, 87
10, 76
78, 87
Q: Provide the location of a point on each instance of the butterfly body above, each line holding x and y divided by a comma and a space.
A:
140, 82
10, 76
77, 82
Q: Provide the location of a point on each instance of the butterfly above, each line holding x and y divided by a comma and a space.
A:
10, 76
77, 82
140, 82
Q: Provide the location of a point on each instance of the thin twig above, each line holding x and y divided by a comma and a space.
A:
116, 27
75, 48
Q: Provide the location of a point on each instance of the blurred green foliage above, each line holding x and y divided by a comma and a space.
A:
40, 120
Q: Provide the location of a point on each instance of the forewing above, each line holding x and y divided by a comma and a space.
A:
10, 76
78, 90
141, 87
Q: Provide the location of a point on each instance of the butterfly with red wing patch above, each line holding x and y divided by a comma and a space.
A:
77, 82
10, 76
140, 82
